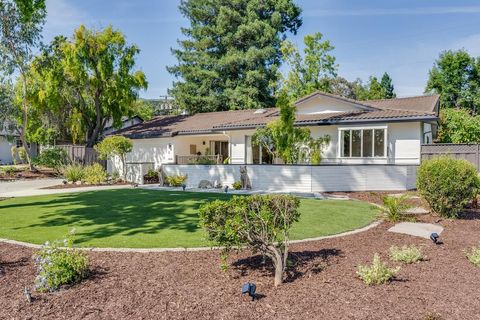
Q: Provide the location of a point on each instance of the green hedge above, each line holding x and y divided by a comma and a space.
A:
447, 184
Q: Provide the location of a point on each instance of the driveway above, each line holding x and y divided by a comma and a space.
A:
23, 188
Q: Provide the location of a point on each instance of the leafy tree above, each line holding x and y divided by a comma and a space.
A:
259, 222
374, 89
283, 140
231, 56
54, 158
88, 80
115, 146
21, 23
342, 87
387, 86
455, 76
458, 126
311, 72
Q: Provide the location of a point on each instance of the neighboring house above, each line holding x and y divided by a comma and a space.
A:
375, 132
126, 123
7, 141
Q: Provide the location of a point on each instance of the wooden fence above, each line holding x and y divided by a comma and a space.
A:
470, 152
82, 155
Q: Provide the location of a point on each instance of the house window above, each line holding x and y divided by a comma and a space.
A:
362, 143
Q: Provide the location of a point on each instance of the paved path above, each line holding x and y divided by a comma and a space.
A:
23, 188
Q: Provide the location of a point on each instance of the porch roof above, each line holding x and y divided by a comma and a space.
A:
393, 110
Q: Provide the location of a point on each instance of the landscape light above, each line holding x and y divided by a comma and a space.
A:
434, 237
226, 189
27, 294
250, 289
184, 186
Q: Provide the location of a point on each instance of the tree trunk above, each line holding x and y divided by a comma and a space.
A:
25, 123
277, 260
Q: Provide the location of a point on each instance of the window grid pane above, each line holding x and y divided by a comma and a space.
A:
367, 143
356, 143
379, 143
346, 143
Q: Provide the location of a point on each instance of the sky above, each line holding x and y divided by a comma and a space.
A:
402, 37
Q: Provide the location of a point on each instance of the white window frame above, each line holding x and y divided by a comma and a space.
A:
340, 142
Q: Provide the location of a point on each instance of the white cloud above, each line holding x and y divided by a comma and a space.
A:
395, 11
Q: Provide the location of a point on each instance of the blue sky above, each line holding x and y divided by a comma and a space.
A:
402, 37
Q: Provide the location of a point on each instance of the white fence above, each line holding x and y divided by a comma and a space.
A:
284, 178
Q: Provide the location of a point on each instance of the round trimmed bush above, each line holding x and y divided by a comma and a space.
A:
447, 184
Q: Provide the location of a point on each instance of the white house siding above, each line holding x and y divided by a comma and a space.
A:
304, 178
5, 150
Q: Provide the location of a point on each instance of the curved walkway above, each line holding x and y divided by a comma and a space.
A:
148, 250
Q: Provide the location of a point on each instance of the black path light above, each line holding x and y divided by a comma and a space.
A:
434, 237
184, 186
249, 288
225, 189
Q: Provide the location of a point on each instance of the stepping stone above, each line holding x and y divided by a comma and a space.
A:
417, 211
423, 230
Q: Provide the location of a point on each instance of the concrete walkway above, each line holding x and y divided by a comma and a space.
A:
24, 188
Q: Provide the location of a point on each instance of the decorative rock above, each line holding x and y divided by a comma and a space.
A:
417, 211
78, 183
205, 184
423, 230
217, 184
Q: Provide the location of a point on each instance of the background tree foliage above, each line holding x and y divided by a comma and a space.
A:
87, 81
311, 72
21, 23
231, 54
458, 126
455, 76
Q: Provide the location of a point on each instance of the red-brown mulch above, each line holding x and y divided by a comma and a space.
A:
73, 186
377, 197
27, 174
322, 285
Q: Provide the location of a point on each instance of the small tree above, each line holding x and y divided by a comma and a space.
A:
113, 146
260, 222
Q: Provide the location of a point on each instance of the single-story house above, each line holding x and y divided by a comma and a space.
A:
380, 133
7, 141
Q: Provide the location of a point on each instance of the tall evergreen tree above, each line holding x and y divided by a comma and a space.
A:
387, 86
231, 56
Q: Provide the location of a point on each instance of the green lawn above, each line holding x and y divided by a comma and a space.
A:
138, 218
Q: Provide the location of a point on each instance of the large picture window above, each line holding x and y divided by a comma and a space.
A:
362, 143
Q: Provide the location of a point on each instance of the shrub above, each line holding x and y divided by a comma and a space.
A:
113, 146
95, 174
74, 173
377, 273
14, 152
175, 180
54, 158
473, 256
394, 208
22, 154
237, 185
406, 254
447, 184
260, 223
115, 175
9, 171
152, 174
58, 266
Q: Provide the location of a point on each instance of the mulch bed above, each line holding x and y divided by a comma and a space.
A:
321, 285
27, 174
377, 196
73, 186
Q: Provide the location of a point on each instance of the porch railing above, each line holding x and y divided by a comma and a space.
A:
196, 159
